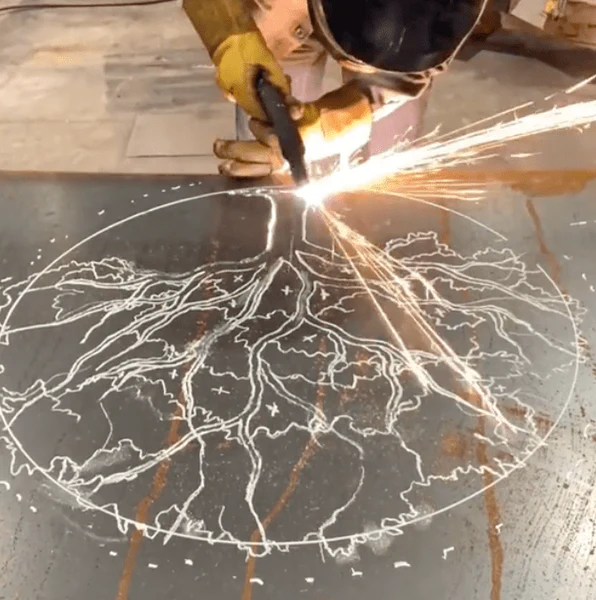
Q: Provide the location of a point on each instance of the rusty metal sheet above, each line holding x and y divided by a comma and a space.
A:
192, 406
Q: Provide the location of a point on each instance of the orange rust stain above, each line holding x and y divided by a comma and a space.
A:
444, 232
553, 263
454, 445
282, 501
255, 538
453, 448
542, 421
157, 486
491, 506
158, 482
142, 512
494, 519
504, 456
536, 183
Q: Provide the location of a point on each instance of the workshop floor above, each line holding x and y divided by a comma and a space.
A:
130, 90
127, 90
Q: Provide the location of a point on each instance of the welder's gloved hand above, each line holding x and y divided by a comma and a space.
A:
339, 123
238, 59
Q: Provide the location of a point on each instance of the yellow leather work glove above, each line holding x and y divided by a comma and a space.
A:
237, 48
238, 60
339, 123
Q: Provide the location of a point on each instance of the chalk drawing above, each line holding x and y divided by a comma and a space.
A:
256, 381
378, 541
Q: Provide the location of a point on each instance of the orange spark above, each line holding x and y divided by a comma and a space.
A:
385, 269
448, 151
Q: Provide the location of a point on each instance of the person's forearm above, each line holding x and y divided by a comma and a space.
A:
216, 20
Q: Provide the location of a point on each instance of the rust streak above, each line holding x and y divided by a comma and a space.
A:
457, 446
494, 519
142, 512
159, 480
444, 232
491, 505
297, 469
543, 422
454, 446
255, 538
551, 259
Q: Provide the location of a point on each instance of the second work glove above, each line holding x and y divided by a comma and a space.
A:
338, 124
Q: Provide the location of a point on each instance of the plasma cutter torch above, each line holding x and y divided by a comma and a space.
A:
278, 114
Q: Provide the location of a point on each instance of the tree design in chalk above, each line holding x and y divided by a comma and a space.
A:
274, 380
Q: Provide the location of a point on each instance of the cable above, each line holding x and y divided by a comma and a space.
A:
23, 7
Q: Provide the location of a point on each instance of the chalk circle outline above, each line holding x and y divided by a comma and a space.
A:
393, 529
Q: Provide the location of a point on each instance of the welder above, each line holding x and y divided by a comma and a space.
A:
389, 52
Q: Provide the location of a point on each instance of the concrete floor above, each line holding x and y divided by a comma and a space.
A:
128, 90
131, 90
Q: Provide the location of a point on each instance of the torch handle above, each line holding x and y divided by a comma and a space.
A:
278, 114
